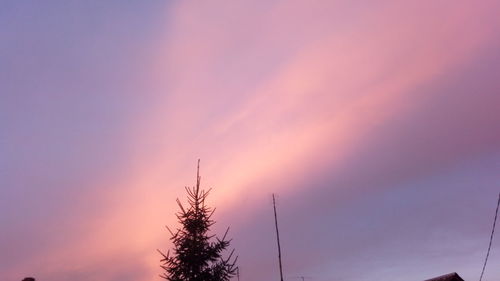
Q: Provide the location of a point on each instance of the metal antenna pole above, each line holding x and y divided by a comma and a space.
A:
278, 238
491, 238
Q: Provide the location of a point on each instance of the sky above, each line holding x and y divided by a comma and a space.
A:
375, 123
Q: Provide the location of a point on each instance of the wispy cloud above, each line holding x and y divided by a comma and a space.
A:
333, 104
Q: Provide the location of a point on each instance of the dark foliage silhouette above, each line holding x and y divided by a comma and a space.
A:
197, 256
29, 279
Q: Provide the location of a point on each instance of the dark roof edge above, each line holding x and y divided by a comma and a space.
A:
447, 277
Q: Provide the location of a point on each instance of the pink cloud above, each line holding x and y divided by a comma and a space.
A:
267, 94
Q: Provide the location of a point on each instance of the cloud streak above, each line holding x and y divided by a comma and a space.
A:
332, 104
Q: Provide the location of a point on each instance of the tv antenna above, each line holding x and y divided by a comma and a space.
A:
277, 238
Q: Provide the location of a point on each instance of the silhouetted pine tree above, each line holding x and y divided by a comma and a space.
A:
196, 255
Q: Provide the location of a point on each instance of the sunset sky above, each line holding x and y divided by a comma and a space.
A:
376, 123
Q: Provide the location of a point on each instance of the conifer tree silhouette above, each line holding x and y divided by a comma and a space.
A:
197, 256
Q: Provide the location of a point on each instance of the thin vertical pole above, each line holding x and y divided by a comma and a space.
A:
278, 238
491, 238
238, 273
